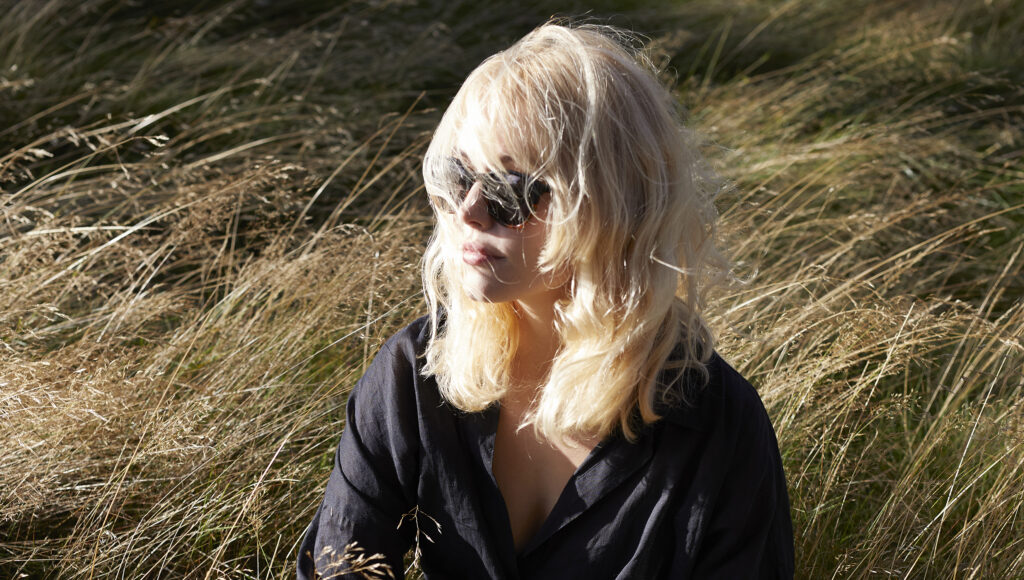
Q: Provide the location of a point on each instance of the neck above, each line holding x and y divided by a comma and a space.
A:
538, 343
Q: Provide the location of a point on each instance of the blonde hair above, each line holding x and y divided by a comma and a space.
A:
630, 220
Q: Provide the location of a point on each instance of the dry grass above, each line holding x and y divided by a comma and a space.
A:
212, 218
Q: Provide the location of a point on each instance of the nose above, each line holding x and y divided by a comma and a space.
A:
473, 209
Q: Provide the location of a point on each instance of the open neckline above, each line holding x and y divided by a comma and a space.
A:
531, 529
609, 463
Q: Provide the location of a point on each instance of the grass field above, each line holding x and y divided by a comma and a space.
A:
212, 218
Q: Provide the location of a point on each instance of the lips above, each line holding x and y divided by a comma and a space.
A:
477, 255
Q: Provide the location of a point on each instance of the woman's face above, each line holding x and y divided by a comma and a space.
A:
499, 263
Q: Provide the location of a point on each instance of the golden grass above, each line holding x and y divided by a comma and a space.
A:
211, 221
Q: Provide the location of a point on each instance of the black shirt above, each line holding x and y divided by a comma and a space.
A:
700, 494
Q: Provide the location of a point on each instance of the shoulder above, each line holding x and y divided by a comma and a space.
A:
401, 354
408, 344
390, 383
721, 398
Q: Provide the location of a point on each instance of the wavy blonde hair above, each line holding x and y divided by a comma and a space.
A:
630, 220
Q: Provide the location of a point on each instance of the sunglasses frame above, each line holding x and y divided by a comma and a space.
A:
510, 196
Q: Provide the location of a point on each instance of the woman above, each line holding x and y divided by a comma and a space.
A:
561, 412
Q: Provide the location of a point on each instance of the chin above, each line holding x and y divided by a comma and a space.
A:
488, 294
483, 288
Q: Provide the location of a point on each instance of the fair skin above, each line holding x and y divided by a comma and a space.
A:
501, 265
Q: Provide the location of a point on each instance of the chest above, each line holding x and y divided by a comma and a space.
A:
620, 510
531, 473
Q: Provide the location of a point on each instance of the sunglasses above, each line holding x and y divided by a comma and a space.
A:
510, 196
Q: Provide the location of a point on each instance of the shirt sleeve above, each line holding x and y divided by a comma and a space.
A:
749, 533
373, 483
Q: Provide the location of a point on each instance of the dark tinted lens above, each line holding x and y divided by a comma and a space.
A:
462, 179
458, 180
505, 202
510, 196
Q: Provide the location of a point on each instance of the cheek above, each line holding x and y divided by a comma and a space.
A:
448, 231
531, 245
534, 247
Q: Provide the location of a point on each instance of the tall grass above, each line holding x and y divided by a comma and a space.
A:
212, 219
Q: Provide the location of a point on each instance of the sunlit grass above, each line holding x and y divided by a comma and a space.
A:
212, 220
